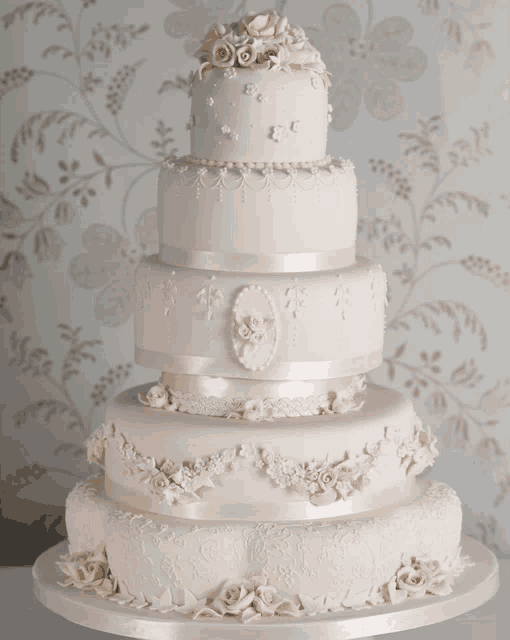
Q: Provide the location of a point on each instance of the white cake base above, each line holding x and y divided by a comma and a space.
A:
477, 584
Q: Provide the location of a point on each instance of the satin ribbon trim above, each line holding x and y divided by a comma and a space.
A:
205, 366
238, 388
255, 262
263, 512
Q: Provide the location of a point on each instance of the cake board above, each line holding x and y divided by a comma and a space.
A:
477, 584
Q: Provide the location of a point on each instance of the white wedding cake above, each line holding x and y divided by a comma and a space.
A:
261, 476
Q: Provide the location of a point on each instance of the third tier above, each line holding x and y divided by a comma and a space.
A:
268, 327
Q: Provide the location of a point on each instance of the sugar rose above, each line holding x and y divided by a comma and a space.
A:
244, 331
271, 50
267, 24
328, 478
256, 322
257, 337
235, 597
157, 396
266, 600
217, 31
223, 53
254, 409
89, 571
295, 32
159, 481
413, 580
246, 55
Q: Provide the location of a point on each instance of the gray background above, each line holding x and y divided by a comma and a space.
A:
424, 117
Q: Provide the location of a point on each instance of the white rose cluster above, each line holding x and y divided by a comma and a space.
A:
323, 482
89, 571
158, 397
346, 400
263, 39
253, 329
249, 599
417, 578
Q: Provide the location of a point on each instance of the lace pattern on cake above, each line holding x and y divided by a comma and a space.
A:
321, 482
341, 401
362, 561
249, 599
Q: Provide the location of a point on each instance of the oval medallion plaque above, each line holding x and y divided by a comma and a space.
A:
255, 328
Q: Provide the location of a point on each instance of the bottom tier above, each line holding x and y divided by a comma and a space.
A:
409, 550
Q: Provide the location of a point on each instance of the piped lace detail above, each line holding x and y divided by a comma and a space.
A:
259, 176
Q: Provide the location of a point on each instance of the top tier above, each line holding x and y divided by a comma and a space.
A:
260, 94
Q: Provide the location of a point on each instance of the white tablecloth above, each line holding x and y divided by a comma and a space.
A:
22, 617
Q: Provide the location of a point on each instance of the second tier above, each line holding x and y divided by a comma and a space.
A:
255, 217
318, 326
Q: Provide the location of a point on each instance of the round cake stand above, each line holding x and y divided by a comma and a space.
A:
476, 585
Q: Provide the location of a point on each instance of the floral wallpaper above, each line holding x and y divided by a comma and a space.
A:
94, 95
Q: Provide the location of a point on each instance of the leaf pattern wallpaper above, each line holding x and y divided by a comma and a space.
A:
93, 97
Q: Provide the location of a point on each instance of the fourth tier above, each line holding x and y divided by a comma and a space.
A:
202, 467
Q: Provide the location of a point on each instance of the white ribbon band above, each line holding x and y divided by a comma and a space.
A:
255, 262
205, 366
239, 388
263, 511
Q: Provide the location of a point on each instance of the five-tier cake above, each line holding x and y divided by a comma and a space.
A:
262, 476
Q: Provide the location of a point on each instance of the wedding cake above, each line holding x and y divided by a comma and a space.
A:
262, 476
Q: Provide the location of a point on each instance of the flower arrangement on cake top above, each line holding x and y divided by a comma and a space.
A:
260, 40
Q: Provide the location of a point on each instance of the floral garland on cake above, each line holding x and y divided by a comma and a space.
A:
326, 482
252, 598
340, 402
171, 482
323, 482
262, 40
